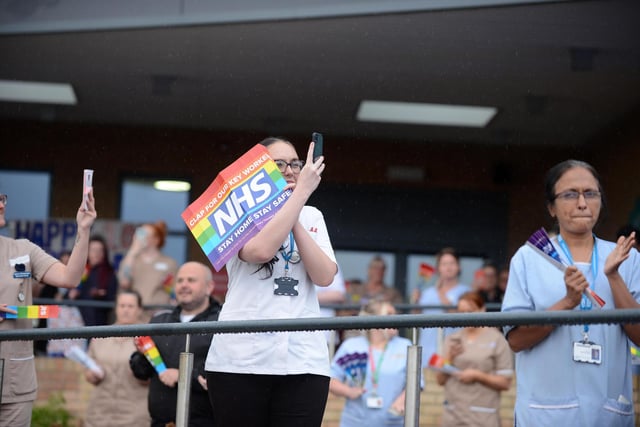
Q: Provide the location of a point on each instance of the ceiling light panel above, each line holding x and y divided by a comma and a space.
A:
37, 92
425, 113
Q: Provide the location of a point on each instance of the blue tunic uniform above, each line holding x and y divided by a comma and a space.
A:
553, 389
392, 374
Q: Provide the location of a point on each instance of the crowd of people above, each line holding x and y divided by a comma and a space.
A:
567, 374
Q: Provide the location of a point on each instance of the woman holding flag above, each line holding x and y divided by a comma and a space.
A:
480, 368
276, 379
25, 265
446, 292
574, 374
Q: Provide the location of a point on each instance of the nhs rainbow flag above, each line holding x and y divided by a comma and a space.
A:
237, 204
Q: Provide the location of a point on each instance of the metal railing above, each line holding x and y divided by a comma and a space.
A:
412, 321
436, 320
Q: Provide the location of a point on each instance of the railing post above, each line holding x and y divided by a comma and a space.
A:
184, 385
1, 374
412, 389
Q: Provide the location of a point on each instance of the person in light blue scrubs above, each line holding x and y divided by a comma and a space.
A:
446, 291
574, 375
370, 371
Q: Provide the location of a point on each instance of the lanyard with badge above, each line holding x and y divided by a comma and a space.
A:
286, 285
585, 351
374, 400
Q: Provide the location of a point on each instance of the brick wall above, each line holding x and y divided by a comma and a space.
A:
57, 374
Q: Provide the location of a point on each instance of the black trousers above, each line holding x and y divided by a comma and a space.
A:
250, 400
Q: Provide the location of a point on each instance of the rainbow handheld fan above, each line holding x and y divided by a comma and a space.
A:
355, 366
541, 243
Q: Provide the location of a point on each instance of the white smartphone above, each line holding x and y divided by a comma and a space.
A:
87, 183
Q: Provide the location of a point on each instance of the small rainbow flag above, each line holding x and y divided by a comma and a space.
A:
236, 205
439, 363
31, 312
146, 346
167, 285
426, 271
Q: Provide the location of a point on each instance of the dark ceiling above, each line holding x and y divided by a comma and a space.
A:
559, 73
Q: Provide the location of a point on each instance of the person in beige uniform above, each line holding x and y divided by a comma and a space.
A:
22, 265
116, 398
483, 366
146, 269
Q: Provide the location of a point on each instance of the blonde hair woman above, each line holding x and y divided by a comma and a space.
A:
370, 372
117, 395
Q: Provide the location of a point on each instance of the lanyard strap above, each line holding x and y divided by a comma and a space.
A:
287, 255
585, 303
594, 257
375, 370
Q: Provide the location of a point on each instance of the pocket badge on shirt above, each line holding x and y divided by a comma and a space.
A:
162, 266
374, 402
587, 352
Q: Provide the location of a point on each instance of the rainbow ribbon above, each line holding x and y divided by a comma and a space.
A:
31, 312
147, 347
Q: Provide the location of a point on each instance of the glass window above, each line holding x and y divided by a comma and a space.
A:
354, 264
29, 195
142, 203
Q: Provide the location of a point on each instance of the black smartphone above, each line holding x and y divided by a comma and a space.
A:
317, 146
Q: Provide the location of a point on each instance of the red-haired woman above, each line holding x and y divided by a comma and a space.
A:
146, 269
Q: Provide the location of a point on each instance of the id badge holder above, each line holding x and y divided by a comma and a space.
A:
287, 286
374, 401
587, 352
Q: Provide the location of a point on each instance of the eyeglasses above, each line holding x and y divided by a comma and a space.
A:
572, 195
295, 165
3, 199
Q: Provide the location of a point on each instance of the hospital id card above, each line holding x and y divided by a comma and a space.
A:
587, 352
374, 402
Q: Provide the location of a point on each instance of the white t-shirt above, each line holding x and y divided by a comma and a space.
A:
250, 297
336, 285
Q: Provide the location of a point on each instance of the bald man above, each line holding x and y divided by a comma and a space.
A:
194, 285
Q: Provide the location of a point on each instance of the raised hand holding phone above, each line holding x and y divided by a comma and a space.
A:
318, 143
87, 183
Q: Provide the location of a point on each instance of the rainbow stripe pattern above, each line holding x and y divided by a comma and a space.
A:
439, 363
146, 346
31, 312
355, 367
236, 205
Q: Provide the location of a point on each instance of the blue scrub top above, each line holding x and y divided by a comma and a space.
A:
391, 382
553, 389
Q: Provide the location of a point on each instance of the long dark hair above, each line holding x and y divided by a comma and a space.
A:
104, 270
267, 267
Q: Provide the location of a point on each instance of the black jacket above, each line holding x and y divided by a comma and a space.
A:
162, 399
